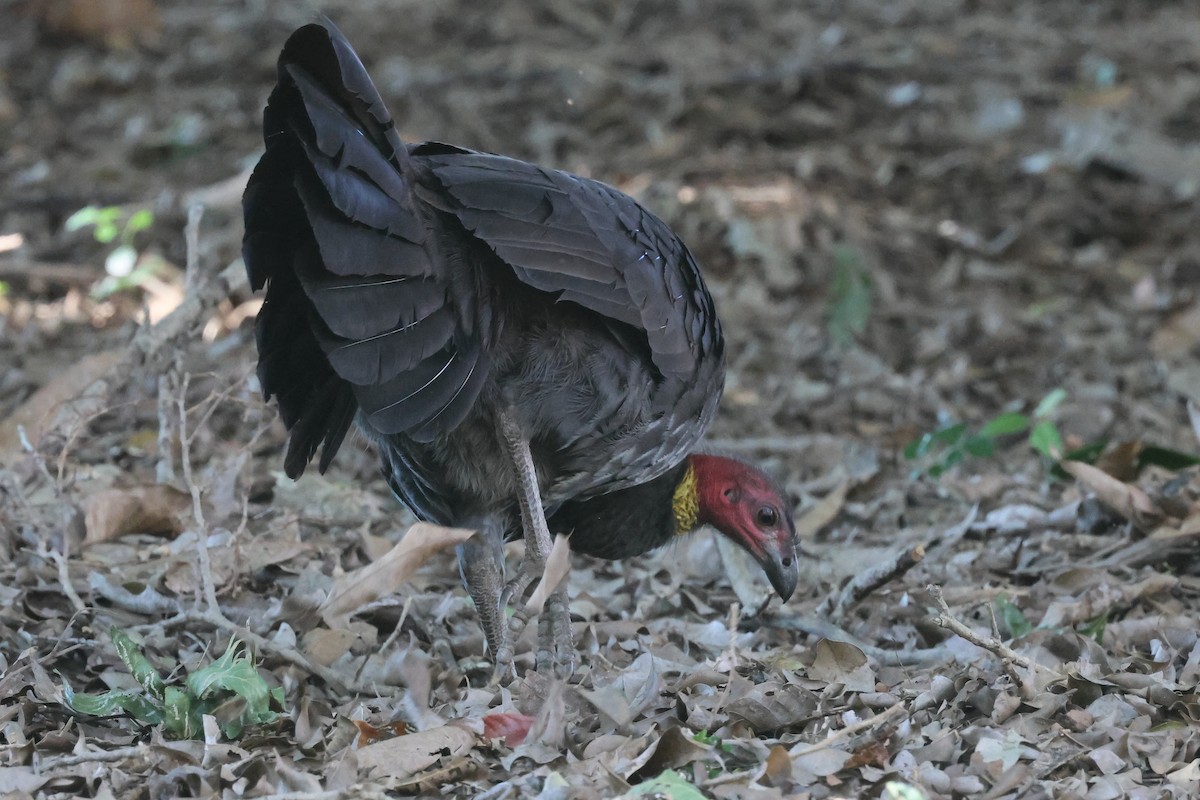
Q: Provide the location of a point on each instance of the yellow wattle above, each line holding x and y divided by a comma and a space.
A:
685, 502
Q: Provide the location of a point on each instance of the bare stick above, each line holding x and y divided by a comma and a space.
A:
816, 626
876, 721
990, 643
75, 759
836, 604
164, 469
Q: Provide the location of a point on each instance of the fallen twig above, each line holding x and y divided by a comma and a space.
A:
850, 730
837, 603
816, 626
992, 644
94, 756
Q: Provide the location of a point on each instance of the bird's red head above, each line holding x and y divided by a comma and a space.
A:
742, 502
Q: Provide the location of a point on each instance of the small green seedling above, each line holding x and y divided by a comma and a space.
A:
1013, 618
849, 296
230, 689
113, 224
948, 446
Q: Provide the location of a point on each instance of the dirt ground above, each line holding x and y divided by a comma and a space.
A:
912, 214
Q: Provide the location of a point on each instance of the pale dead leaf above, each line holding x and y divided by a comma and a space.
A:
1194, 418
142, 509
407, 755
841, 662
383, 577
558, 564
823, 512
1126, 499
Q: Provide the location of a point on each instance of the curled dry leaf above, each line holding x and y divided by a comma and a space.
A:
1126, 499
142, 509
404, 756
380, 578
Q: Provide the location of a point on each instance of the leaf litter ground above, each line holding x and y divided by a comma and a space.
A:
913, 215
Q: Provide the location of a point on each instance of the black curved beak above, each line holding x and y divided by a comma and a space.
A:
782, 569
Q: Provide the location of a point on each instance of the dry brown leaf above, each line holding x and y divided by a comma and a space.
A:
380, 578
823, 512
771, 706
841, 662
1178, 335
327, 645
1120, 460
1126, 499
405, 756
143, 509
558, 564
777, 769
116, 23
36, 413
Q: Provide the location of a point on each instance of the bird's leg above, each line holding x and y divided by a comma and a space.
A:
556, 647
481, 561
557, 627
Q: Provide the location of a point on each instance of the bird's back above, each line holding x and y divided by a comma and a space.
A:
420, 288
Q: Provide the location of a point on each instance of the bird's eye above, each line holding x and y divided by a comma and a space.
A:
768, 517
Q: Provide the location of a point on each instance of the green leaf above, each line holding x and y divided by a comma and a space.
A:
669, 785
1046, 439
82, 218
1095, 628
1164, 457
1049, 403
1004, 425
850, 296
139, 221
950, 434
235, 672
1015, 621
980, 446
137, 663
111, 702
178, 714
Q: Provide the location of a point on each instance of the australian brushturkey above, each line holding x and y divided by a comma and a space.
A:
530, 351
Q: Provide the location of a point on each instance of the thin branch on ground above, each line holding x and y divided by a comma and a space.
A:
94, 756
870, 723
836, 604
816, 626
992, 644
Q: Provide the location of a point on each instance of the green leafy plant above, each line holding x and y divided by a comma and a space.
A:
1013, 618
849, 296
230, 688
113, 224
947, 446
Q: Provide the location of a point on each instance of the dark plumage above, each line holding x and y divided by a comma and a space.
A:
429, 292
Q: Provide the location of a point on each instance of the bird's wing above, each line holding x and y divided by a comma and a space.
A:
358, 313
582, 241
